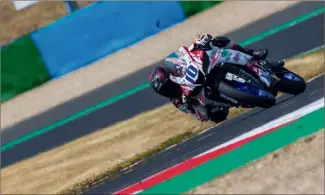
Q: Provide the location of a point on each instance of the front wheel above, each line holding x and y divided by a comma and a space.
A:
291, 83
248, 95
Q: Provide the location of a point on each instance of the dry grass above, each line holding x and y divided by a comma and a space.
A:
15, 24
87, 159
295, 169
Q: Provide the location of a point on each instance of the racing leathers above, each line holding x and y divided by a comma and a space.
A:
218, 50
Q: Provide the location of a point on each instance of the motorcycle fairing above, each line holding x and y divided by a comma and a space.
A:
193, 68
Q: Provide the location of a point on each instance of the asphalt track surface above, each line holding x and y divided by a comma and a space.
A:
141, 76
294, 40
213, 137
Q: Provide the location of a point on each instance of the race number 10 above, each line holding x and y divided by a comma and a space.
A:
191, 73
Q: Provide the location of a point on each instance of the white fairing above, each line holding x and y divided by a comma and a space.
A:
193, 68
218, 56
194, 65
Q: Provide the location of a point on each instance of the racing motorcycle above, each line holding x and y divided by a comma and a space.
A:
237, 85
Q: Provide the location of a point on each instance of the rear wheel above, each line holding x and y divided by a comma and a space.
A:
246, 98
218, 116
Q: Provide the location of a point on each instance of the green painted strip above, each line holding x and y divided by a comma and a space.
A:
146, 85
283, 26
73, 117
241, 156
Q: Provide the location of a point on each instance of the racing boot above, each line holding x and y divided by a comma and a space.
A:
259, 54
271, 64
262, 54
278, 63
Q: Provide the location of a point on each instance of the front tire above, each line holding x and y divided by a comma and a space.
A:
246, 98
290, 86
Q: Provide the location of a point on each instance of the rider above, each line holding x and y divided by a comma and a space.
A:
174, 65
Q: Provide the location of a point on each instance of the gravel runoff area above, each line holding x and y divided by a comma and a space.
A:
91, 77
295, 169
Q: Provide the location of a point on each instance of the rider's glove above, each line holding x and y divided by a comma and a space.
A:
203, 39
200, 42
260, 54
195, 108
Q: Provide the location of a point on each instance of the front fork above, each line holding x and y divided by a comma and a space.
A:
267, 75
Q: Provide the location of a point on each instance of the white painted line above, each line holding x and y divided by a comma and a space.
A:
284, 119
170, 147
132, 165
315, 91
128, 171
206, 130
315, 77
205, 136
284, 105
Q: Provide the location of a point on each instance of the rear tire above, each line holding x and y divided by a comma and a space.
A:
245, 98
219, 116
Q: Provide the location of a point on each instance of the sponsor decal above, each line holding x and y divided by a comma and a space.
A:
255, 69
232, 77
225, 54
228, 98
236, 57
198, 53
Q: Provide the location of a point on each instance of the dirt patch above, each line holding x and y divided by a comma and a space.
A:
15, 24
87, 157
296, 169
91, 77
